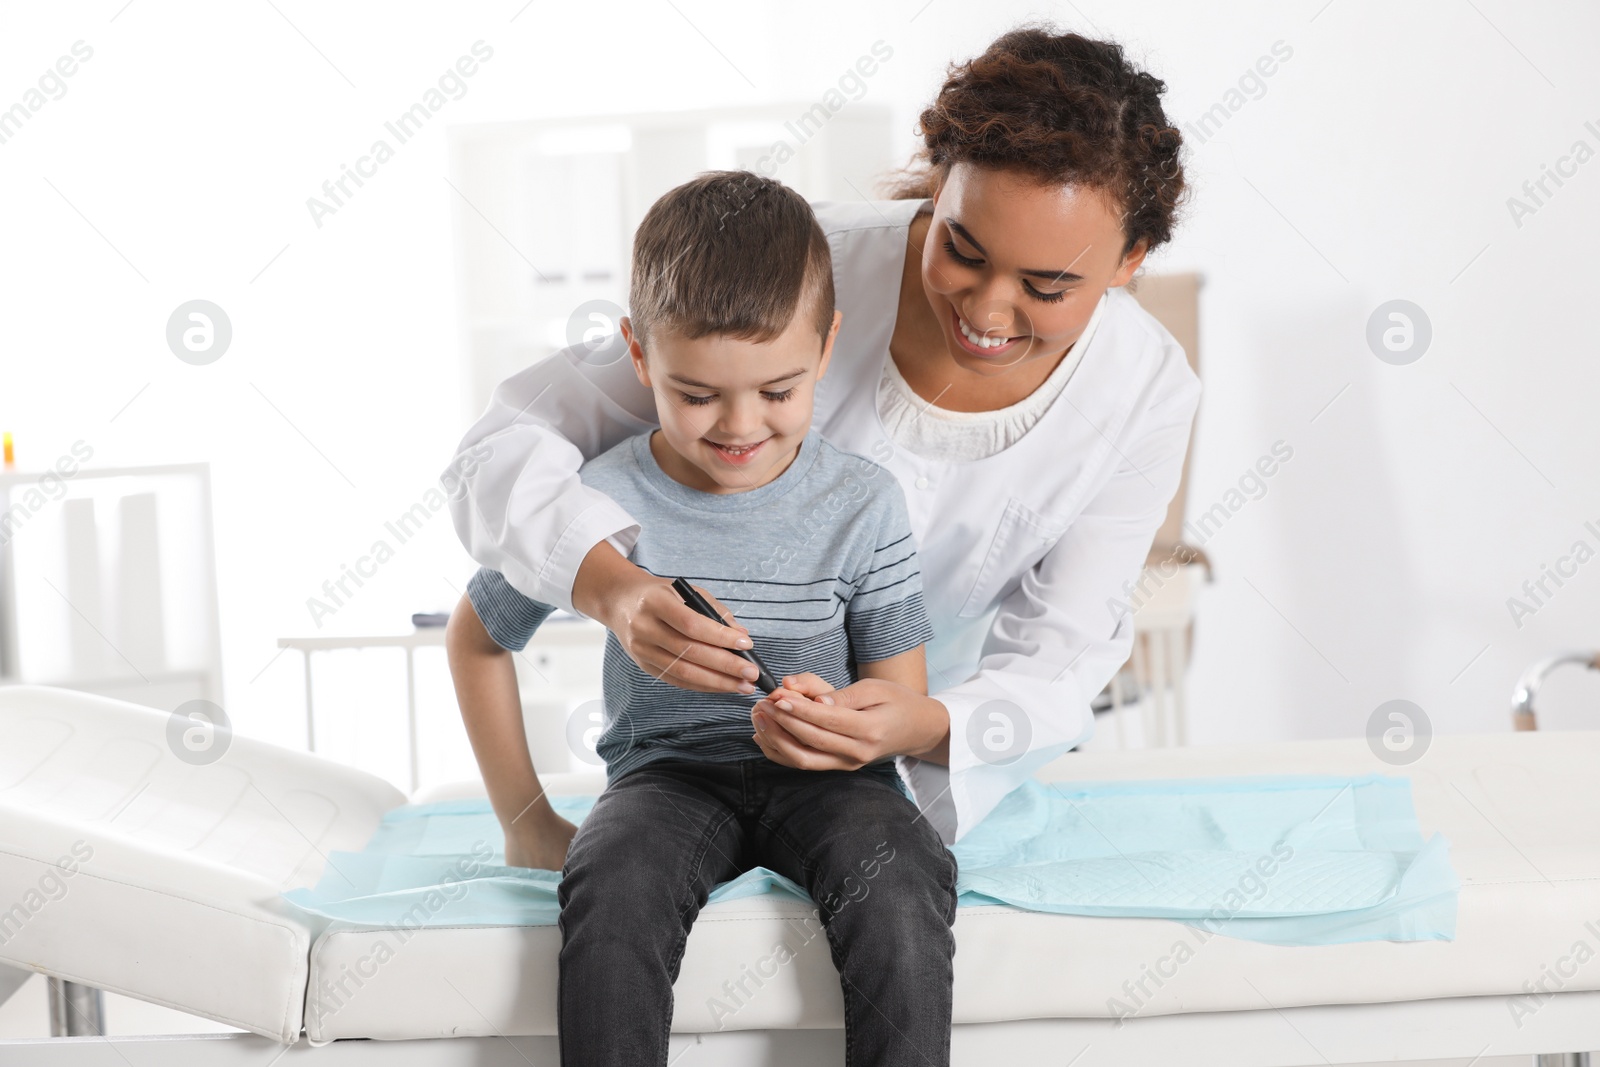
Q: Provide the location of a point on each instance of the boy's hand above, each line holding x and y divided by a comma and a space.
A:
807, 685
539, 840
861, 724
793, 688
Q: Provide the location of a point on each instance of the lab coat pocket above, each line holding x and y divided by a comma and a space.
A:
1021, 540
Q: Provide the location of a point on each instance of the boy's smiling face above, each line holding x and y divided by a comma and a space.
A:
733, 412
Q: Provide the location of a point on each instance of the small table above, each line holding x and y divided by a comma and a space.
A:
564, 633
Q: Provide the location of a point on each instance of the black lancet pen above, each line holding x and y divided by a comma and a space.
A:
764, 681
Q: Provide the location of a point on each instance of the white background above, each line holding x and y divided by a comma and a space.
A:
1376, 165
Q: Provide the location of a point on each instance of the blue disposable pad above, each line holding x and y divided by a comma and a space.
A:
1290, 860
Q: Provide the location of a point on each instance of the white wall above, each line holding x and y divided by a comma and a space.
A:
1376, 165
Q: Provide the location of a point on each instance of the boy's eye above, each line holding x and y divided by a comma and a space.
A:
696, 401
965, 261
780, 397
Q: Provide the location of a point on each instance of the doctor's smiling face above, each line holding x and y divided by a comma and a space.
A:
1013, 266
733, 412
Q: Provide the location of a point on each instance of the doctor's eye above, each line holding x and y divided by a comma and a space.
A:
780, 397
965, 261
1048, 298
696, 401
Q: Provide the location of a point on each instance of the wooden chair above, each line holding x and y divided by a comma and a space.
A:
1153, 677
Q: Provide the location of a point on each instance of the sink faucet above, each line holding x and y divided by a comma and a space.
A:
1533, 677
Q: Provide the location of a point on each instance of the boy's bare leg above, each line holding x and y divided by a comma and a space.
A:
486, 688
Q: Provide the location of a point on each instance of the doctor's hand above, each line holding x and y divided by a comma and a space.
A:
667, 638
862, 723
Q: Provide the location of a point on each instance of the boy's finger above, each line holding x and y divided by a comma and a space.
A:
860, 696
812, 686
786, 699
826, 717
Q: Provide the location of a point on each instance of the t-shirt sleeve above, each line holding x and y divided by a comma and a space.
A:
510, 617
886, 616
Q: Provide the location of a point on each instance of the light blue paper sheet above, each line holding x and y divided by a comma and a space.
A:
1289, 860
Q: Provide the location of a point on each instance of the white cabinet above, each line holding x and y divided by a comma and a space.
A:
545, 211
108, 582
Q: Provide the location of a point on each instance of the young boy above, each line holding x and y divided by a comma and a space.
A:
732, 326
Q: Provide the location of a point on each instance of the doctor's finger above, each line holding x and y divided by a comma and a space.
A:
721, 609
782, 747
681, 669
766, 739
680, 618
829, 718
681, 650
850, 749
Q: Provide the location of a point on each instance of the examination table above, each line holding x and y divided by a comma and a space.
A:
177, 870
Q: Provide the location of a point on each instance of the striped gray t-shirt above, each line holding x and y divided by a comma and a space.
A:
818, 564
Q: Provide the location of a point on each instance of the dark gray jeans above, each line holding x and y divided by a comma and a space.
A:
660, 838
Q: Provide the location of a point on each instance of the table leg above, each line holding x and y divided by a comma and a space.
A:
311, 720
411, 713
76, 1010
1180, 702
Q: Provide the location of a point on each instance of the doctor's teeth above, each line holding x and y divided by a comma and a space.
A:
977, 338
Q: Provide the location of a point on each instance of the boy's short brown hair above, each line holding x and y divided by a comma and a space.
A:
729, 252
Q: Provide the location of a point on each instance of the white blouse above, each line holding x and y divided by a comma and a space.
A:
958, 436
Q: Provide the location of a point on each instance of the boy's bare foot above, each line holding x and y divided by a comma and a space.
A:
539, 840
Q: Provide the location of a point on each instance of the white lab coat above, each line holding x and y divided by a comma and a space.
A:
1024, 554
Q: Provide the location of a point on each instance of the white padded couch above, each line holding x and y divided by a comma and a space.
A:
174, 899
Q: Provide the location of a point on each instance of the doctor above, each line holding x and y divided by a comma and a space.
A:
1035, 415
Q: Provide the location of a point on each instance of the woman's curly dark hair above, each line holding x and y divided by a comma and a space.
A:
1065, 109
